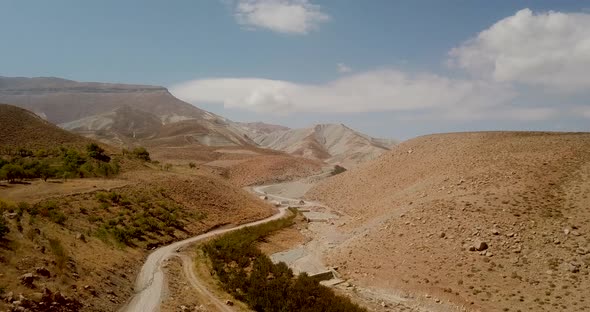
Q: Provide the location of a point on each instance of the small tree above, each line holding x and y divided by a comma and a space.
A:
97, 152
141, 153
45, 170
72, 161
12, 172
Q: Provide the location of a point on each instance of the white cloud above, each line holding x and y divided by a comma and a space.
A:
546, 49
283, 16
343, 68
373, 91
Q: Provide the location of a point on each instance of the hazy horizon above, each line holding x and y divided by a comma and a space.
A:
389, 69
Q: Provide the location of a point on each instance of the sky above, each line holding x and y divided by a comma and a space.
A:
394, 69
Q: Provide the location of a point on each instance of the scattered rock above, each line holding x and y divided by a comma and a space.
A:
28, 279
572, 268
442, 235
90, 289
9, 297
229, 303
495, 232
81, 237
480, 245
10, 215
43, 271
566, 231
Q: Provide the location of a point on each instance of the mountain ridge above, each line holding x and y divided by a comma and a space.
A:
91, 108
332, 143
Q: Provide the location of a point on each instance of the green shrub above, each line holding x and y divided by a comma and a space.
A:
102, 197
121, 235
4, 229
57, 217
250, 276
141, 153
97, 152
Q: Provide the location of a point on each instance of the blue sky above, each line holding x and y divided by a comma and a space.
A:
389, 68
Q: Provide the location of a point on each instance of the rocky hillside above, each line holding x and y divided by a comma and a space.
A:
120, 113
21, 128
332, 143
495, 221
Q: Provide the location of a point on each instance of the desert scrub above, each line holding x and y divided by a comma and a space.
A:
50, 210
59, 252
250, 276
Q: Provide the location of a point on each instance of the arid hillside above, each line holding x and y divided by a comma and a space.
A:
332, 143
82, 246
119, 114
20, 128
493, 221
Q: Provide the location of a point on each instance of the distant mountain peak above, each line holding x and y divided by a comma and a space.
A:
334, 143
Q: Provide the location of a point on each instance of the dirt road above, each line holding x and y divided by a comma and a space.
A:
150, 284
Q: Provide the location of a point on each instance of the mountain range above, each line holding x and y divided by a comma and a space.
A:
125, 115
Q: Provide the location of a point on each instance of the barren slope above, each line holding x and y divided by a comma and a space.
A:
333, 143
20, 128
418, 210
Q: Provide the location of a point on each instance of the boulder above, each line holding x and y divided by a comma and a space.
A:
28, 279
480, 245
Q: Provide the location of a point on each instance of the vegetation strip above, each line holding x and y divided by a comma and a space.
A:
250, 276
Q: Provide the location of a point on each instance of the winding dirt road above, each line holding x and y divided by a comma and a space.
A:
150, 284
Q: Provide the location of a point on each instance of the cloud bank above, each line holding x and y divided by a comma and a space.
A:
372, 91
282, 16
550, 50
